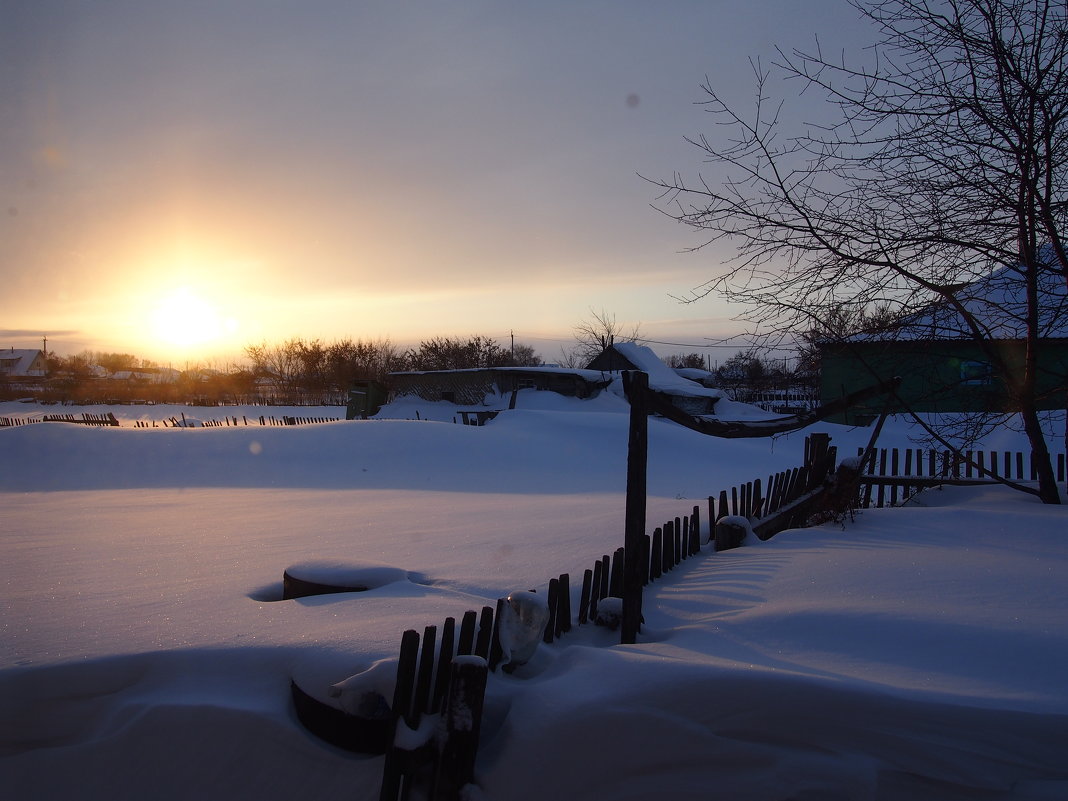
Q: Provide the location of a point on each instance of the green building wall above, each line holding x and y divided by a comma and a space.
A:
937, 376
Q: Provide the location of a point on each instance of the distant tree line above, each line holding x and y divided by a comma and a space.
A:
300, 371
295, 371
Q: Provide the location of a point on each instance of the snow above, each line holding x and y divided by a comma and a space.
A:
522, 621
998, 303
917, 652
662, 377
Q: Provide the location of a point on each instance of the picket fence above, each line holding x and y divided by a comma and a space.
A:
892, 475
86, 419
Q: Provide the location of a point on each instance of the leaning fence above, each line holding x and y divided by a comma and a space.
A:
435, 665
427, 674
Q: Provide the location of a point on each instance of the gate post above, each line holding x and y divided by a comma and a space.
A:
636, 386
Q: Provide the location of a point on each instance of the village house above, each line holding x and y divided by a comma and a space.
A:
471, 387
23, 363
22, 371
689, 394
944, 369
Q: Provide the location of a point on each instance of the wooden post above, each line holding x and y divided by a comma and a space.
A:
393, 768
463, 722
636, 386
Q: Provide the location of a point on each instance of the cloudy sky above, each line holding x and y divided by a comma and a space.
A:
185, 178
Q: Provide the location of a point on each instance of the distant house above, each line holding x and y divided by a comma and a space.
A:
147, 375
690, 395
23, 364
471, 386
943, 369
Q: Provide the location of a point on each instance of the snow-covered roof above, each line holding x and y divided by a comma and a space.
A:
588, 375
998, 303
661, 377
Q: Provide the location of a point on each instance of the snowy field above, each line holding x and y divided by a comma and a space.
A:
916, 653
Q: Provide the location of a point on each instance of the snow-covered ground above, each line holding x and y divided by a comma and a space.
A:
919, 652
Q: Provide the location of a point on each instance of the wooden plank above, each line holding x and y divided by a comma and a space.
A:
882, 471
584, 595
445, 653
563, 605
656, 555
462, 721
695, 530
894, 467
551, 597
496, 654
485, 633
393, 767
421, 696
466, 644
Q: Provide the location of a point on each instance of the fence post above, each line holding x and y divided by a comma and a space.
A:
636, 386
463, 721
393, 768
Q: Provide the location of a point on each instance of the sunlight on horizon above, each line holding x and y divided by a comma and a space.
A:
182, 319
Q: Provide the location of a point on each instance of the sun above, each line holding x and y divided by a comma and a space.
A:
184, 319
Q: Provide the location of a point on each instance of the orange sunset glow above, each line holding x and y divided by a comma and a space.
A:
182, 180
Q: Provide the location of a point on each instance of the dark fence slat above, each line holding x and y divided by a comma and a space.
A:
584, 595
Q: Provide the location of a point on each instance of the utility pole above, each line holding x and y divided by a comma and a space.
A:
513, 345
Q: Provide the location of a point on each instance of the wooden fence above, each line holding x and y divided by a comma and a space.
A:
228, 421
439, 768
892, 475
86, 419
790, 496
17, 421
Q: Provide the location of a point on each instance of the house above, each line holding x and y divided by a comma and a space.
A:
686, 394
471, 386
944, 369
21, 364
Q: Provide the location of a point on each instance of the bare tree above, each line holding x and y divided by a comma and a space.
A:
945, 164
682, 360
596, 333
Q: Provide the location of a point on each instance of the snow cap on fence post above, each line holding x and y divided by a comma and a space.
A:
524, 616
731, 531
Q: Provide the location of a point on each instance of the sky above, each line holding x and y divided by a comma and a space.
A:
180, 180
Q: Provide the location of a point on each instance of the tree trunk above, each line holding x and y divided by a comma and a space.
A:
1047, 479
